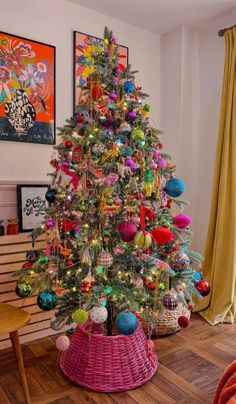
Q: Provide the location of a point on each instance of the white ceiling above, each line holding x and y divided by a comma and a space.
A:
160, 16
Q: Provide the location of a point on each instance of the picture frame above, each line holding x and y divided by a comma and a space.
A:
80, 41
31, 204
27, 90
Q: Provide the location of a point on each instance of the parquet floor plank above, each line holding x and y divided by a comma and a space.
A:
190, 365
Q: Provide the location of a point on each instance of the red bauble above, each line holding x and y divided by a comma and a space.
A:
80, 118
27, 265
160, 146
68, 144
54, 163
69, 263
150, 285
183, 321
203, 287
162, 236
96, 92
67, 225
127, 230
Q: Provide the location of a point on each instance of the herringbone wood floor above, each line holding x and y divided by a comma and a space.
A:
191, 363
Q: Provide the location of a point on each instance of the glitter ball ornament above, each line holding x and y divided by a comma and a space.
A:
203, 287
129, 162
183, 321
62, 343
182, 221
170, 301
98, 314
174, 187
129, 87
32, 255
127, 230
137, 135
23, 289
67, 225
50, 195
68, 144
50, 224
162, 236
47, 300
113, 96
80, 316
143, 240
126, 323
178, 261
161, 163
132, 115
80, 118
105, 259
150, 285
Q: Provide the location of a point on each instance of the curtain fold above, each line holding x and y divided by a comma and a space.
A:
219, 266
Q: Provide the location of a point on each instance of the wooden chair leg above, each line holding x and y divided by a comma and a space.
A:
20, 364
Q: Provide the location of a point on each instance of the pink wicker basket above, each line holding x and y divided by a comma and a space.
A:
108, 364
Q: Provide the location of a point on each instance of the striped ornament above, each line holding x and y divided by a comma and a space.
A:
143, 240
105, 259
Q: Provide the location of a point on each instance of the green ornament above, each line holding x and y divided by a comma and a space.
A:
100, 270
80, 316
103, 304
137, 135
23, 289
42, 260
126, 151
108, 290
148, 177
110, 201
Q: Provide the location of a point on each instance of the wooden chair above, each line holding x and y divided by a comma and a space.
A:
11, 319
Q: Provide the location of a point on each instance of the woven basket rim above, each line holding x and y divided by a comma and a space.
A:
84, 327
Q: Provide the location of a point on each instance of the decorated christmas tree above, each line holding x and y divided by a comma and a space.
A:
118, 240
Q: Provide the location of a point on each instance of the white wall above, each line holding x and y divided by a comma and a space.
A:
191, 81
53, 22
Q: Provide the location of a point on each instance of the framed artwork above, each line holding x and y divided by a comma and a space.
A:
31, 205
27, 90
81, 67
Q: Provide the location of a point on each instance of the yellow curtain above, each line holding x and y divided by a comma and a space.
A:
220, 254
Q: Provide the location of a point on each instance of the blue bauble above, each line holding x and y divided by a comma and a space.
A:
50, 195
126, 323
197, 276
129, 87
47, 300
174, 187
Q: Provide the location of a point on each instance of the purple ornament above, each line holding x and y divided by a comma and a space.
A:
161, 163
107, 123
127, 230
66, 164
132, 115
113, 96
116, 80
129, 162
107, 54
182, 221
50, 224
114, 40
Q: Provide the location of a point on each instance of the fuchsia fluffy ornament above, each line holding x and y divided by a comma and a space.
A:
182, 221
127, 230
161, 163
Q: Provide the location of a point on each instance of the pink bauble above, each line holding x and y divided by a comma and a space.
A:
98, 314
118, 201
62, 343
182, 221
150, 344
153, 165
127, 230
161, 163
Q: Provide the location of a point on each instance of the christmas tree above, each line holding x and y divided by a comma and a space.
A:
118, 240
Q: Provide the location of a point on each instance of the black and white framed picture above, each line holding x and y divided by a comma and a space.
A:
31, 204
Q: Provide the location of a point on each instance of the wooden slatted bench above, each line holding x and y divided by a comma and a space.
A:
12, 256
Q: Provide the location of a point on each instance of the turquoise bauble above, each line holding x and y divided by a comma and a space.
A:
174, 187
129, 87
47, 300
126, 323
